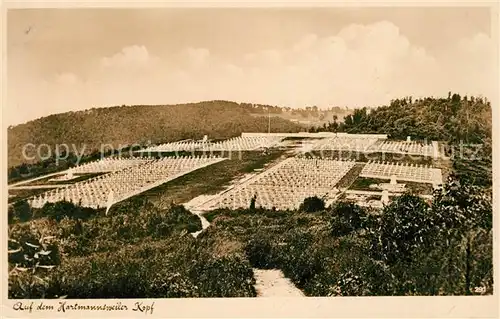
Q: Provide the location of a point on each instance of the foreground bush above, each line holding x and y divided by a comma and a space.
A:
19, 211
346, 218
411, 248
259, 252
76, 237
168, 268
312, 204
62, 209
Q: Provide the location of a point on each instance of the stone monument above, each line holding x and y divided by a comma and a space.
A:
385, 197
393, 180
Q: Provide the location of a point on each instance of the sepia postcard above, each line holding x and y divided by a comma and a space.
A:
224, 160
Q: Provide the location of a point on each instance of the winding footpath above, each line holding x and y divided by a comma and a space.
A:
272, 283
269, 282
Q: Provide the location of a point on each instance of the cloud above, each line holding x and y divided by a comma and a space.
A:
305, 43
358, 66
131, 56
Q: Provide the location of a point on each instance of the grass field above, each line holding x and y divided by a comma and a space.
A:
419, 188
363, 183
78, 178
351, 176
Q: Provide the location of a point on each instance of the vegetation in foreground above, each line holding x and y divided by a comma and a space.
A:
411, 247
143, 253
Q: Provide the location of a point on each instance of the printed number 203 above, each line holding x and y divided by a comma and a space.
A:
479, 290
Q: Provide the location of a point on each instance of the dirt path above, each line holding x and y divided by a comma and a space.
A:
272, 283
202, 203
204, 222
192, 207
36, 179
40, 186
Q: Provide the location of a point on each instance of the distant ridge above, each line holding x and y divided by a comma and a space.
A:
125, 125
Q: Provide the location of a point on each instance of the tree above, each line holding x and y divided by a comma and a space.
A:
462, 206
462, 212
62, 209
252, 201
13, 173
348, 120
404, 225
20, 210
24, 169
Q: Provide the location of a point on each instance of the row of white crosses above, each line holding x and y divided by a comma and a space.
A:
342, 143
247, 143
287, 184
402, 171
412, 147
283, 197
123, 184
181, 146
108, 164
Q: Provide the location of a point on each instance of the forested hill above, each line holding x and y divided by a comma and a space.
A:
125, 125
451, 119
464, 124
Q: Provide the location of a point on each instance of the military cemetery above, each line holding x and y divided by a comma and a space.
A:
233, 152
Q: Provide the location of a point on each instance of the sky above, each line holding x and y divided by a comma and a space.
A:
61, 60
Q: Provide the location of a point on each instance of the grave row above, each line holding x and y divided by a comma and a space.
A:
108, 164
402, 171
286, 185
411, 147
107, 189
344, 144
234, 144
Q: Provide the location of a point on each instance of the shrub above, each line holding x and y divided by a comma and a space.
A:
62, 209
177, 267
347, 270
25, 285
259, 252
299, 259
228, 276
20, 211
347, 217
32, 252
448, 267
404, 226
312, 204
163, 223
